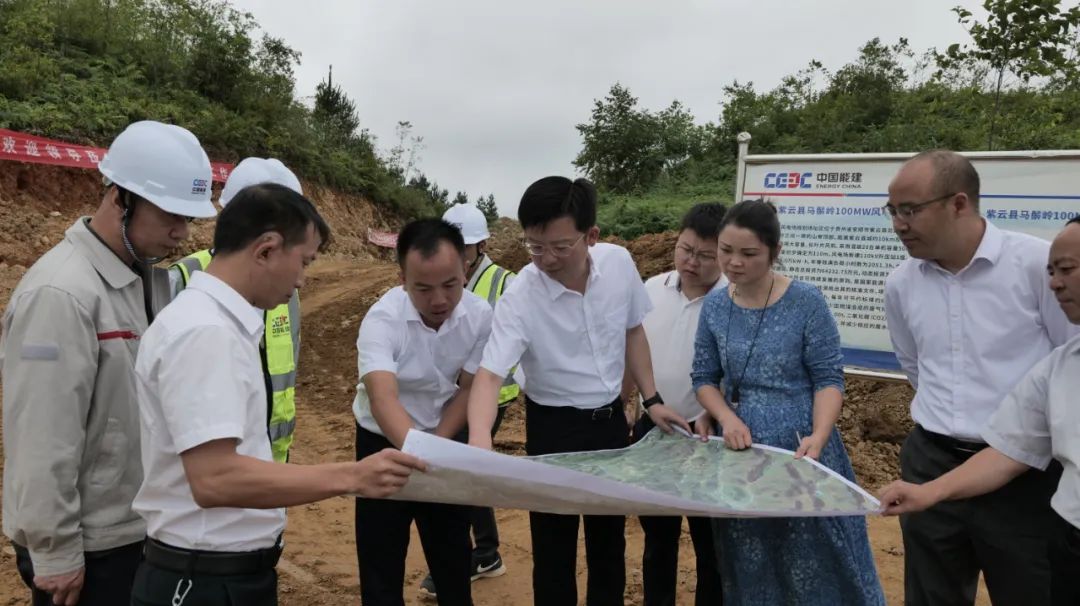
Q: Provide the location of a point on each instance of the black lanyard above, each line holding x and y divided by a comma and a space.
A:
735, 384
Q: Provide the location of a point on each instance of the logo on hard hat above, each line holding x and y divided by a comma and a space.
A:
198, 186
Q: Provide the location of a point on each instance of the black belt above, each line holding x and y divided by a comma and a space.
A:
221, 563
950, 443
603, 413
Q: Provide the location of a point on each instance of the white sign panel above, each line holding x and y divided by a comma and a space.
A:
837, 236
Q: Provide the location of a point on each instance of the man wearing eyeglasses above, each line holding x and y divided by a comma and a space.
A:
573, 320
969, 314
677, 297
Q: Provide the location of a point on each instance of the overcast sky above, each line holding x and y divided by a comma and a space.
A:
495, 88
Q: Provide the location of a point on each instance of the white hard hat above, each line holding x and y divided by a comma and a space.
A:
164, 164
470, 220
253, 171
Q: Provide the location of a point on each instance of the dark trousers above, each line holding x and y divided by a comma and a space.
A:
1065, 565
485, 532
660, 561
107, 580
155, 586
1005, 534
382, 542
552, 429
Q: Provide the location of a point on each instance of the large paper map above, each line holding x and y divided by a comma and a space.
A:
660, 475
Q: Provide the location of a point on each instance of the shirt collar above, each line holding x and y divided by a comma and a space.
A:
117, 273
413, 315
244, 313
673, 281
555, 288
990, 246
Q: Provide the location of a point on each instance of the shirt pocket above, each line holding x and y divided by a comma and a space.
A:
610, 319
112, 457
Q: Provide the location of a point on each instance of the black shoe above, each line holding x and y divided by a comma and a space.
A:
427, 587
487, 567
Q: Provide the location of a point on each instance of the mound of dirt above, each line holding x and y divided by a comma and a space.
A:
874, 422
505, 245
654, 253
38, 203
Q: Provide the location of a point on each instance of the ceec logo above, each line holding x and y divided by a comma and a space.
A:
790, 180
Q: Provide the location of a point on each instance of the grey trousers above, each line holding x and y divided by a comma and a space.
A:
1005, 534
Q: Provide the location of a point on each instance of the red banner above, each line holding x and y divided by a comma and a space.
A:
382, 238
38, 150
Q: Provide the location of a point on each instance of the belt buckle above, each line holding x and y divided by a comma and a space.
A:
602, 413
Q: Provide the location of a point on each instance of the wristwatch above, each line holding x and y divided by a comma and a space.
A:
656, 399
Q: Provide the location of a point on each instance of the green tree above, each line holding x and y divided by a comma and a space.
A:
488, 207
619, 144
335, 113
1025, 38
405, 155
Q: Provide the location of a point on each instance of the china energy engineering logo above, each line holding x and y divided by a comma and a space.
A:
780, 180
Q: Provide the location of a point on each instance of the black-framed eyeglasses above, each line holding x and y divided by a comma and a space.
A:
559, 250
907, 210
701, 256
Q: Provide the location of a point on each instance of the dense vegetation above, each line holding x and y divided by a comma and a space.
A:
81, 70
1014, 84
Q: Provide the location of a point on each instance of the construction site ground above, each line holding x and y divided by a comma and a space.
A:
37, 203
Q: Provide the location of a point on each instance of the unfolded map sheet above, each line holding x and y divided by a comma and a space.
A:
659, 475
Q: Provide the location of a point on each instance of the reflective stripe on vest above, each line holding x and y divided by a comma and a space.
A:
193, 263
490, 286
281, 342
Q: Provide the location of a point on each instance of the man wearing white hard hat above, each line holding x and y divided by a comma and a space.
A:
70, 334
488, 281
280, 345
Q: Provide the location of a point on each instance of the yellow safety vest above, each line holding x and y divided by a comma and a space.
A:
490, 286
280, 348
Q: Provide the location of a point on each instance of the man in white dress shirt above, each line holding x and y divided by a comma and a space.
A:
419, 346
677, 297
573, 320
213, 498
1037, 423
969, 314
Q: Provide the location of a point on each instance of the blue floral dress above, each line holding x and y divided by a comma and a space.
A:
776, 561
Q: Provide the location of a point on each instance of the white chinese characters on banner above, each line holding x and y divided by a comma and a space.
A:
38, 150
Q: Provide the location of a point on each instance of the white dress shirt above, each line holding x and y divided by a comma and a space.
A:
572, 347
426, 362
965, 339
199, 378
671, 327
1040, 420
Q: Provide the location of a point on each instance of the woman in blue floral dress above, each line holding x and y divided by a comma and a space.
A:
767, 368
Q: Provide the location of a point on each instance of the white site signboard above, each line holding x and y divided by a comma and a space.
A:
837, 236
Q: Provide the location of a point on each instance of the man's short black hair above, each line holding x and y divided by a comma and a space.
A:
258, 209
1075, 219
704, 220
425, 235
552, 198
